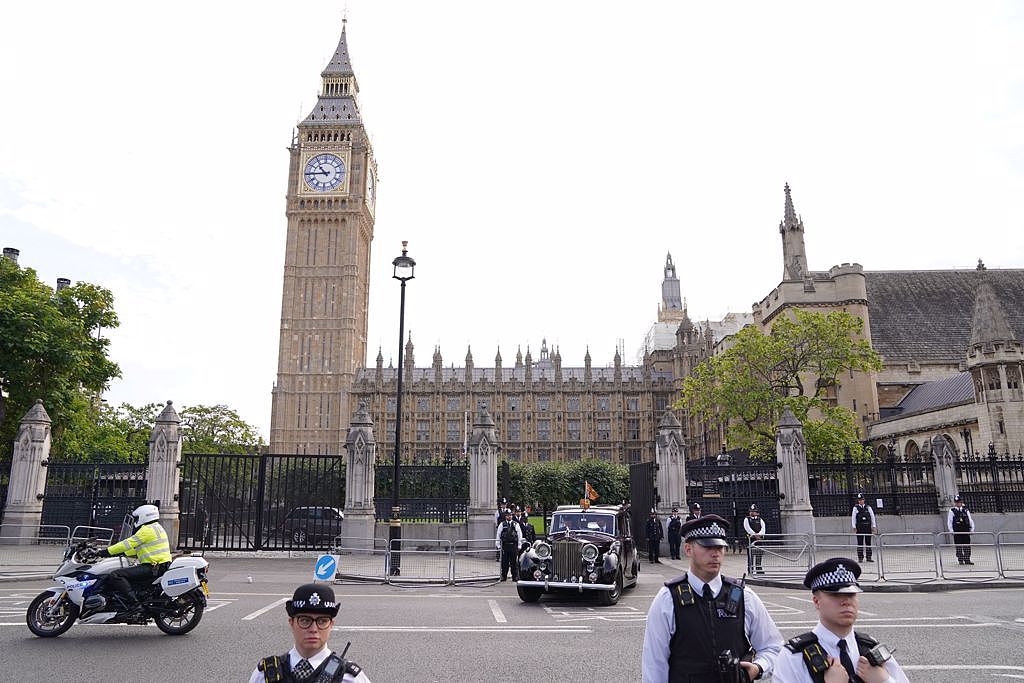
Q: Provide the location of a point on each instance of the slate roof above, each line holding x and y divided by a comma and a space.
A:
334, 110
938, 394
926, 315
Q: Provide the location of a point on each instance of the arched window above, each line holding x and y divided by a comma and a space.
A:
911, 451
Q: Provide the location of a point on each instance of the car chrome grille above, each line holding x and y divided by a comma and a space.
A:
568, 556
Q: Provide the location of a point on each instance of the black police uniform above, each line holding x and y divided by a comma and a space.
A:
675, 536
654, 534
509, 535
862, 516
961, 524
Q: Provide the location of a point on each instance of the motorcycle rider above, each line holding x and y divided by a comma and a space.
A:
149, 545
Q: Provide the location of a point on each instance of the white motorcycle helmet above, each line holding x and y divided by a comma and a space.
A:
144, 514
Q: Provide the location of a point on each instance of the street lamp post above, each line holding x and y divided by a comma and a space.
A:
404, 268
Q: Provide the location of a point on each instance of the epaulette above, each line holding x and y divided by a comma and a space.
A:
798, 643
681, 591
864, 641
271, 668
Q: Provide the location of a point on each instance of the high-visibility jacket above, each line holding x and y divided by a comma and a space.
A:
149, 544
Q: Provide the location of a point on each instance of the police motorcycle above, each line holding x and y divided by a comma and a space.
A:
175, 600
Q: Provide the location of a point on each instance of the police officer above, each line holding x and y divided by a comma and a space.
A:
654, 534
150, 547
528, 533
701, 614
695, 513
508, 540
833, 652
502, 506
675, 523
960, 523
311, 613
754, 526
863, 521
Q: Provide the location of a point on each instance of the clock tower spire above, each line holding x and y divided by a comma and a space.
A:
330, 211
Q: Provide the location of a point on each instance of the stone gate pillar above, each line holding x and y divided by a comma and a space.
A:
24, 510
360, 480
670, 455
483, 477
162, 475
794, 491
945, 475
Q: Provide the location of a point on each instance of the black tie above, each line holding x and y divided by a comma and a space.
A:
708, 595
844, 659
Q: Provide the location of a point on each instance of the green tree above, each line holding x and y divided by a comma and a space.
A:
51, 348
550, 484
217, 429
798, 364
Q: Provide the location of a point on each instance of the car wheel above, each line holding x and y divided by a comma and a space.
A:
529, 593
299, 537
609, 598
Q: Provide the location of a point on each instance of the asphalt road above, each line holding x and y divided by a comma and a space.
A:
485, 633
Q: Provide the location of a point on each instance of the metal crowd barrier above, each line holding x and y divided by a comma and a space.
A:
907, 557
780, 555
829, 545
32, 546
982, 552
415, 562
1010, 545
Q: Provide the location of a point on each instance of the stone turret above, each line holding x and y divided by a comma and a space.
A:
469, 366
360, 471
483, 476
24, 505
163, 474
794, 256
794, 491
409, 361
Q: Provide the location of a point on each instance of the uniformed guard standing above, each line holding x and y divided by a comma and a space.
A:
311, 613
654, 534
529, 534
702, 617
675, 523
695, 513
755, 528
863, 521
508, 540
960, 523
833, 652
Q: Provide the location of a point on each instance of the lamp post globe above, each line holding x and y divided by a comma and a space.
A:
404, 270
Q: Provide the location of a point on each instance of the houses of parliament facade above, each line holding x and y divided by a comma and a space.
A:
953, 362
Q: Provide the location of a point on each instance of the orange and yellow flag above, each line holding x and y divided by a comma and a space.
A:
589, 491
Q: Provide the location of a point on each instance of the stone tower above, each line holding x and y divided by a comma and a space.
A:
332, 180
671, 309
794, 257
995, 359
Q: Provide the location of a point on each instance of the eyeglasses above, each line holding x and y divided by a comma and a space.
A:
321, 622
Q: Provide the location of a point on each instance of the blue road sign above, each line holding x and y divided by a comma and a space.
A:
326, 567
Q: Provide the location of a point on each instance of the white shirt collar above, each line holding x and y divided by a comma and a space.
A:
830, 641
316, 660
698, 585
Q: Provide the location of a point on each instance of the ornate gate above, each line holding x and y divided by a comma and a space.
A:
643, 495
729, 491
93, 494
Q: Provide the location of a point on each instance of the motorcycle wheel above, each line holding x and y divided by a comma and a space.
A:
50, 625
183, 615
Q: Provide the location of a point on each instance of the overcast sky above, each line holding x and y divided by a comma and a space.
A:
540, 158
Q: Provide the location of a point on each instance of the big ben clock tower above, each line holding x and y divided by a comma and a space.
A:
330, 209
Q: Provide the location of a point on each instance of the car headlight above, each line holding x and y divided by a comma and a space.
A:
590, 552
543, 551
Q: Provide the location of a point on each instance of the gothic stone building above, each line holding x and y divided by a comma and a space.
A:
542, 410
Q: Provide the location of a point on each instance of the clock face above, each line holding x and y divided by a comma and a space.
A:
371, 189
324, 172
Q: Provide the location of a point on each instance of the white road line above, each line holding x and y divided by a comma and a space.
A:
263, 610
812, 624
465, 629
886, 619
793, 597
959, 667
496, 611
213, 604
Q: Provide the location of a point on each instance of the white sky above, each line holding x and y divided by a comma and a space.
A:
540, 157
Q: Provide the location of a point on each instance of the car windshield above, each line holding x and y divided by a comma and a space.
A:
583, 521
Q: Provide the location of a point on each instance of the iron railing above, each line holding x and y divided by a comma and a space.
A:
93, 494
904, 488
992, 483
433, 493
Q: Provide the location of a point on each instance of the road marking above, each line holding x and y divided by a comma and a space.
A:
213, 604
465, 629
959, 667
619, 613
496, 611
775, 608
263, 610
793, 597
980, 625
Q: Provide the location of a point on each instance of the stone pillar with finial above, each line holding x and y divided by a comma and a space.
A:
797, 516
670, 455
483, 476
24, 506
945, 472
163, 475
360, 481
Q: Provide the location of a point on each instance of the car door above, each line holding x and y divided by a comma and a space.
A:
628, 559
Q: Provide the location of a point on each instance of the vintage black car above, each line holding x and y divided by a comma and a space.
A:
587, 549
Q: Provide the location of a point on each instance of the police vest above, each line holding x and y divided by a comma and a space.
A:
277, 669
863, 518
508, 533
961, 519
756, 524
813, 654
704, 629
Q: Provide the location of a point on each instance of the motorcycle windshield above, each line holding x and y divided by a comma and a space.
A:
127, 527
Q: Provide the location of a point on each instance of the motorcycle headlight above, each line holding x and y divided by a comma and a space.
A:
590, 552
543, 551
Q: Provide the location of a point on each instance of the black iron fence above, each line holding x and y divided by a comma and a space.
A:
90, 494
428, 493
991, 483
261, 502
891, 487
730, 490
643, 495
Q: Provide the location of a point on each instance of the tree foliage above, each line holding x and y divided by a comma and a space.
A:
798, 364
549, 484
51, 348
217, 429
